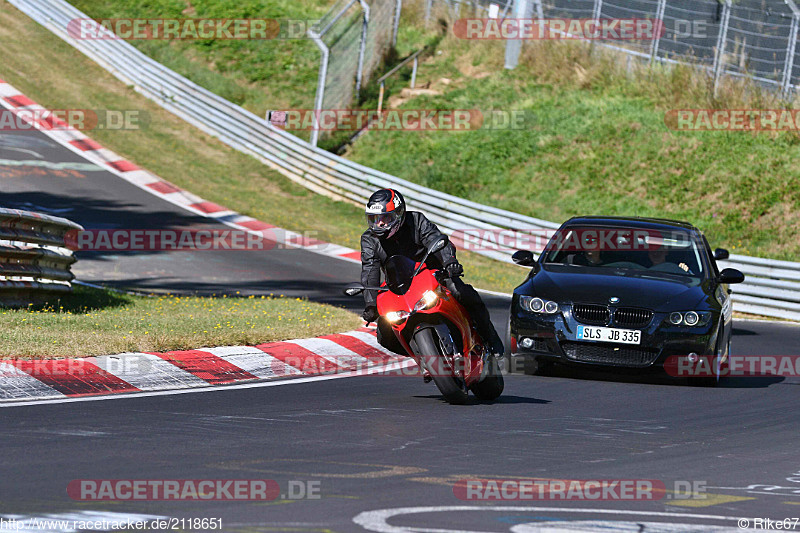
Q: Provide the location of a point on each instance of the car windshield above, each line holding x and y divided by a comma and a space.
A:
643, 251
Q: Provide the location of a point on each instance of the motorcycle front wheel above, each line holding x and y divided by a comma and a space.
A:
452, 388
491, 387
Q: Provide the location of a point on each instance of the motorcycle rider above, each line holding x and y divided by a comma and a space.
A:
393, 231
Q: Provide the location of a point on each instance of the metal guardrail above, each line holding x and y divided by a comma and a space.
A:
772, 287
34, 259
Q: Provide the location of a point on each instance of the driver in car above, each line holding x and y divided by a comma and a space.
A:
658, 261
393, 231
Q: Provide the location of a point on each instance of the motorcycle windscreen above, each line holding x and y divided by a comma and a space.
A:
399, 272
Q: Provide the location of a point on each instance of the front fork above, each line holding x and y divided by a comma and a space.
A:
474, 370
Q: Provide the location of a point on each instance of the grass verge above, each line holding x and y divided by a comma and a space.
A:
99, 322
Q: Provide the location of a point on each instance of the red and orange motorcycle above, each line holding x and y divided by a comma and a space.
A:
435, 329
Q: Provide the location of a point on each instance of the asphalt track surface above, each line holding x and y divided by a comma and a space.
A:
377, 443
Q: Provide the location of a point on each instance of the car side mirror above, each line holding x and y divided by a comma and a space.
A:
354, 289
523, 258
720, 254
730, 275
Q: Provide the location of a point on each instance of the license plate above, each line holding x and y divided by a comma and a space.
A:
623, 336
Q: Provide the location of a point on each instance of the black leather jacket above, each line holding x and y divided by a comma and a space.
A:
411, 240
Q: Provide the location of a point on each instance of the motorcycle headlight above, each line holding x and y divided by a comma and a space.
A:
396, 317
428, 300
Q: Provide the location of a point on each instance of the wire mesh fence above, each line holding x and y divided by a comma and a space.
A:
381, 34
755, 38
341, 33
353, 37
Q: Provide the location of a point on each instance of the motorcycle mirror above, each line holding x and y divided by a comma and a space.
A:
433, 248
354, 289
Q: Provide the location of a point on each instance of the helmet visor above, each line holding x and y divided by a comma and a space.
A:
383, 221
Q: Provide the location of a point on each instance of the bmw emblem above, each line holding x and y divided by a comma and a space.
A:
613, 300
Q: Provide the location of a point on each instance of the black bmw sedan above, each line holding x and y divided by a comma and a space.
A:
621, 292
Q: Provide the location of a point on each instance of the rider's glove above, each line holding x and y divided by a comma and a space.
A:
454, 269
370, 314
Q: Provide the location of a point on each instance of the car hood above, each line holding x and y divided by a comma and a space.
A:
658, 294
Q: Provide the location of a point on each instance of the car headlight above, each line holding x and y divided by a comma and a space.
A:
537, 305
396, 317
428, 300
689, 318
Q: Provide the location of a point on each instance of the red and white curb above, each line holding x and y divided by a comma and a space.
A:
76, 141
353, 353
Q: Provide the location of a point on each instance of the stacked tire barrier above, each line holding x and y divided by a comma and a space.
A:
772, 287
34, 260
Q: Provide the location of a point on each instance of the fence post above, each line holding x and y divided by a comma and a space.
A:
788, 65
598, 9
323, 74
537, 4
363, 46
662, 4
514, 46
722, 37
428, 10
397, 9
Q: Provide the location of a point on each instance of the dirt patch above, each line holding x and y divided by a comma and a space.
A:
409, 94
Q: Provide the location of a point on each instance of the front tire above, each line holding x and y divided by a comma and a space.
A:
492, 385
451, 387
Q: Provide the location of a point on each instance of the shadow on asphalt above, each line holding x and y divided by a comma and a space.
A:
503, 399
653, 378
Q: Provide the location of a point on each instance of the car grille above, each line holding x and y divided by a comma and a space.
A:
609, 354
591, 314
632, 317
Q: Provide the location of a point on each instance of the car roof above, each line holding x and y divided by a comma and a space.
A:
637, 222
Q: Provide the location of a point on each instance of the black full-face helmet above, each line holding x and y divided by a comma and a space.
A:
386, 210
